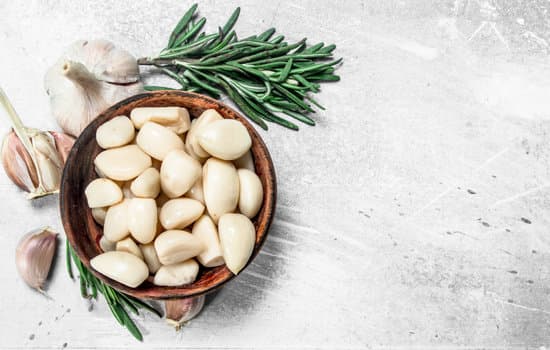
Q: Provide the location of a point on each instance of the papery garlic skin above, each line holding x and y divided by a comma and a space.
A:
43, 174
34, 255
88, 78
179, 311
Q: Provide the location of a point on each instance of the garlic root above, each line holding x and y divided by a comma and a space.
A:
179, 311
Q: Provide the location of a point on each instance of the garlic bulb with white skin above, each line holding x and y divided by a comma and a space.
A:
88, 78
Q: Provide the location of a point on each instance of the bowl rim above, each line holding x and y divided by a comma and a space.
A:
269, 198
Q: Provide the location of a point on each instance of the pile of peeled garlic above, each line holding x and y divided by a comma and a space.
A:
173, 193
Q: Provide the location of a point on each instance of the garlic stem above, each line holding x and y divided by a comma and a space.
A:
21, 132
79, 74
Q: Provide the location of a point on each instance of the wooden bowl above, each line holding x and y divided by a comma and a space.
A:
84, 233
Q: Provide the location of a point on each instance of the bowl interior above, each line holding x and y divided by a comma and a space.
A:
82, 231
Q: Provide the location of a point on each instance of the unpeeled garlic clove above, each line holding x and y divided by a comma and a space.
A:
237, 239
157, 140
123, 163
205, 229
34, 255
88, 78
177, 274
175, 246
225, 139
174, 118
179, 311
178, 173
33, 159
129, 246
180, 212
122, 267
102, 193
116, 132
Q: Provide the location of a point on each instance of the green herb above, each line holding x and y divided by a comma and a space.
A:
265, 76
118, 302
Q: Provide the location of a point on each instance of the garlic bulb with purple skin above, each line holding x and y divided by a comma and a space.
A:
179, 311
34, 255
88, 78
33, 159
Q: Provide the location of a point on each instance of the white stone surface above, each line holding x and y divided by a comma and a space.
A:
399, 216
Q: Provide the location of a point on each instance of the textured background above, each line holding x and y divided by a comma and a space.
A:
415, 214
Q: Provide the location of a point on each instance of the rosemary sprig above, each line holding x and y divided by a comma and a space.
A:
265, 76
118, 302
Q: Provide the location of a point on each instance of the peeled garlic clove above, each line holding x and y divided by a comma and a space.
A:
123, 163
157, 141
237, 238
251, 192
106, 245
245, 162
205, 229
99, 214
34, 255
102, 193
147, 184
142, 219
196, 192
220, 184
129, 246
178, 173
174, 118
89, 77
122, 267
177, 274
180, 213
192, 141
179, 311
115, 227
226, 139
49, 171
175, 246
150, 257
116, 132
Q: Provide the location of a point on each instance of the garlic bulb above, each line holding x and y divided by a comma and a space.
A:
33, 159
34, 255
179, 311
88, 78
